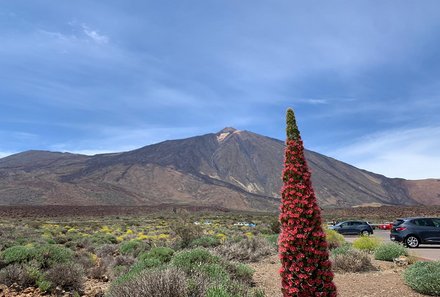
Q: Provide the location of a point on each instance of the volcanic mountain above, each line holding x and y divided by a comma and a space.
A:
232, 169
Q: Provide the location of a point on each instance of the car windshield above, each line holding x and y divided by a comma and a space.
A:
398, 222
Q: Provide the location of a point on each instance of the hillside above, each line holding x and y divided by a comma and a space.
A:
232, 169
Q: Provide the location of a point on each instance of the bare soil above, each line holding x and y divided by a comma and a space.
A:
387, 282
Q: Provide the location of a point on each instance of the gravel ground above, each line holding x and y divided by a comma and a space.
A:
387, 282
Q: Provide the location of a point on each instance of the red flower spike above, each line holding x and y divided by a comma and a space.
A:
306, 269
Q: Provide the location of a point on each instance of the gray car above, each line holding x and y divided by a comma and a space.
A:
353, 227
415, 231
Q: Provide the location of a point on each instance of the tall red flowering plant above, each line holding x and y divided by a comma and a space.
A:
306, 268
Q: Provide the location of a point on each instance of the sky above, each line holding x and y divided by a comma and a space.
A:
103, 76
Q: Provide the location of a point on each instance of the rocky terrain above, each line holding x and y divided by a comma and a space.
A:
231, 169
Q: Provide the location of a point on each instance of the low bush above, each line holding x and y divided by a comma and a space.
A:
85, 259
352, 261
103, 238
333, 238
390, 251
186, 231
240, 272
232, 289
343, 249
197, 285
16, 273
68, 276
273, 239
102, 268
17, 254
217, 291
45, 255
213, 271
107, 250
50, 254
123, 261
170, 282
125, 275
246, 250
423, 277
205, 241
366, 243
163, 254
133, 247
275, 225
190, 260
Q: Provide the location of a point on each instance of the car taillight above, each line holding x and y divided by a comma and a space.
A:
398, 229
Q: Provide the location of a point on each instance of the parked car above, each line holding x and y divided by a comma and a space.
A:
415, 231
353, 227
386, 226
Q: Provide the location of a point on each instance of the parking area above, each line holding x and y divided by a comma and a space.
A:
431, 252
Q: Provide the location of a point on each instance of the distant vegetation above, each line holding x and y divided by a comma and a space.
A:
172, 254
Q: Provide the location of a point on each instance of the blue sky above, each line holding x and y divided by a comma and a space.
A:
105, 76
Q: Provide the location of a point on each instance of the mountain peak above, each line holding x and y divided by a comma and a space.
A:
221, 135
227, 130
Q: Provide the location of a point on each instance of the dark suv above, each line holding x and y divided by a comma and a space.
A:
414, 231
353, 227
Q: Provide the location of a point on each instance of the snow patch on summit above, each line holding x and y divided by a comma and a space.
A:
222, 136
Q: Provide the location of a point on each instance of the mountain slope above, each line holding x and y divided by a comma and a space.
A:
233, 169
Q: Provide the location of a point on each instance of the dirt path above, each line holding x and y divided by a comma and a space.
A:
384, 283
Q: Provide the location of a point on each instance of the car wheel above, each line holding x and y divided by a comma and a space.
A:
365, 233
412, 241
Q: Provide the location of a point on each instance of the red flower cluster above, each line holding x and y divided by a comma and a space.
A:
306, 269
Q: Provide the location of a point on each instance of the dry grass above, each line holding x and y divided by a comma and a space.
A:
170, 282
352, 261
246, 250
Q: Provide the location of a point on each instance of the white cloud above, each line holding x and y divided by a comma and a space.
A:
94, 35
5, 154
411, 153
313, 101
114, 140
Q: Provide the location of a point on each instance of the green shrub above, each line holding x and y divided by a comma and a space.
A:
133, 247
423, 277
205, 241
231, 289
273, 239
213, 271
163, 254
352, 261
275, 225
390, 251
44, 285
17, 254
333, 238
50, 254
138, 268
103, 238
191, 259
366, 243
45, 255
217, 291
240, 272
343, 249
146, 264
